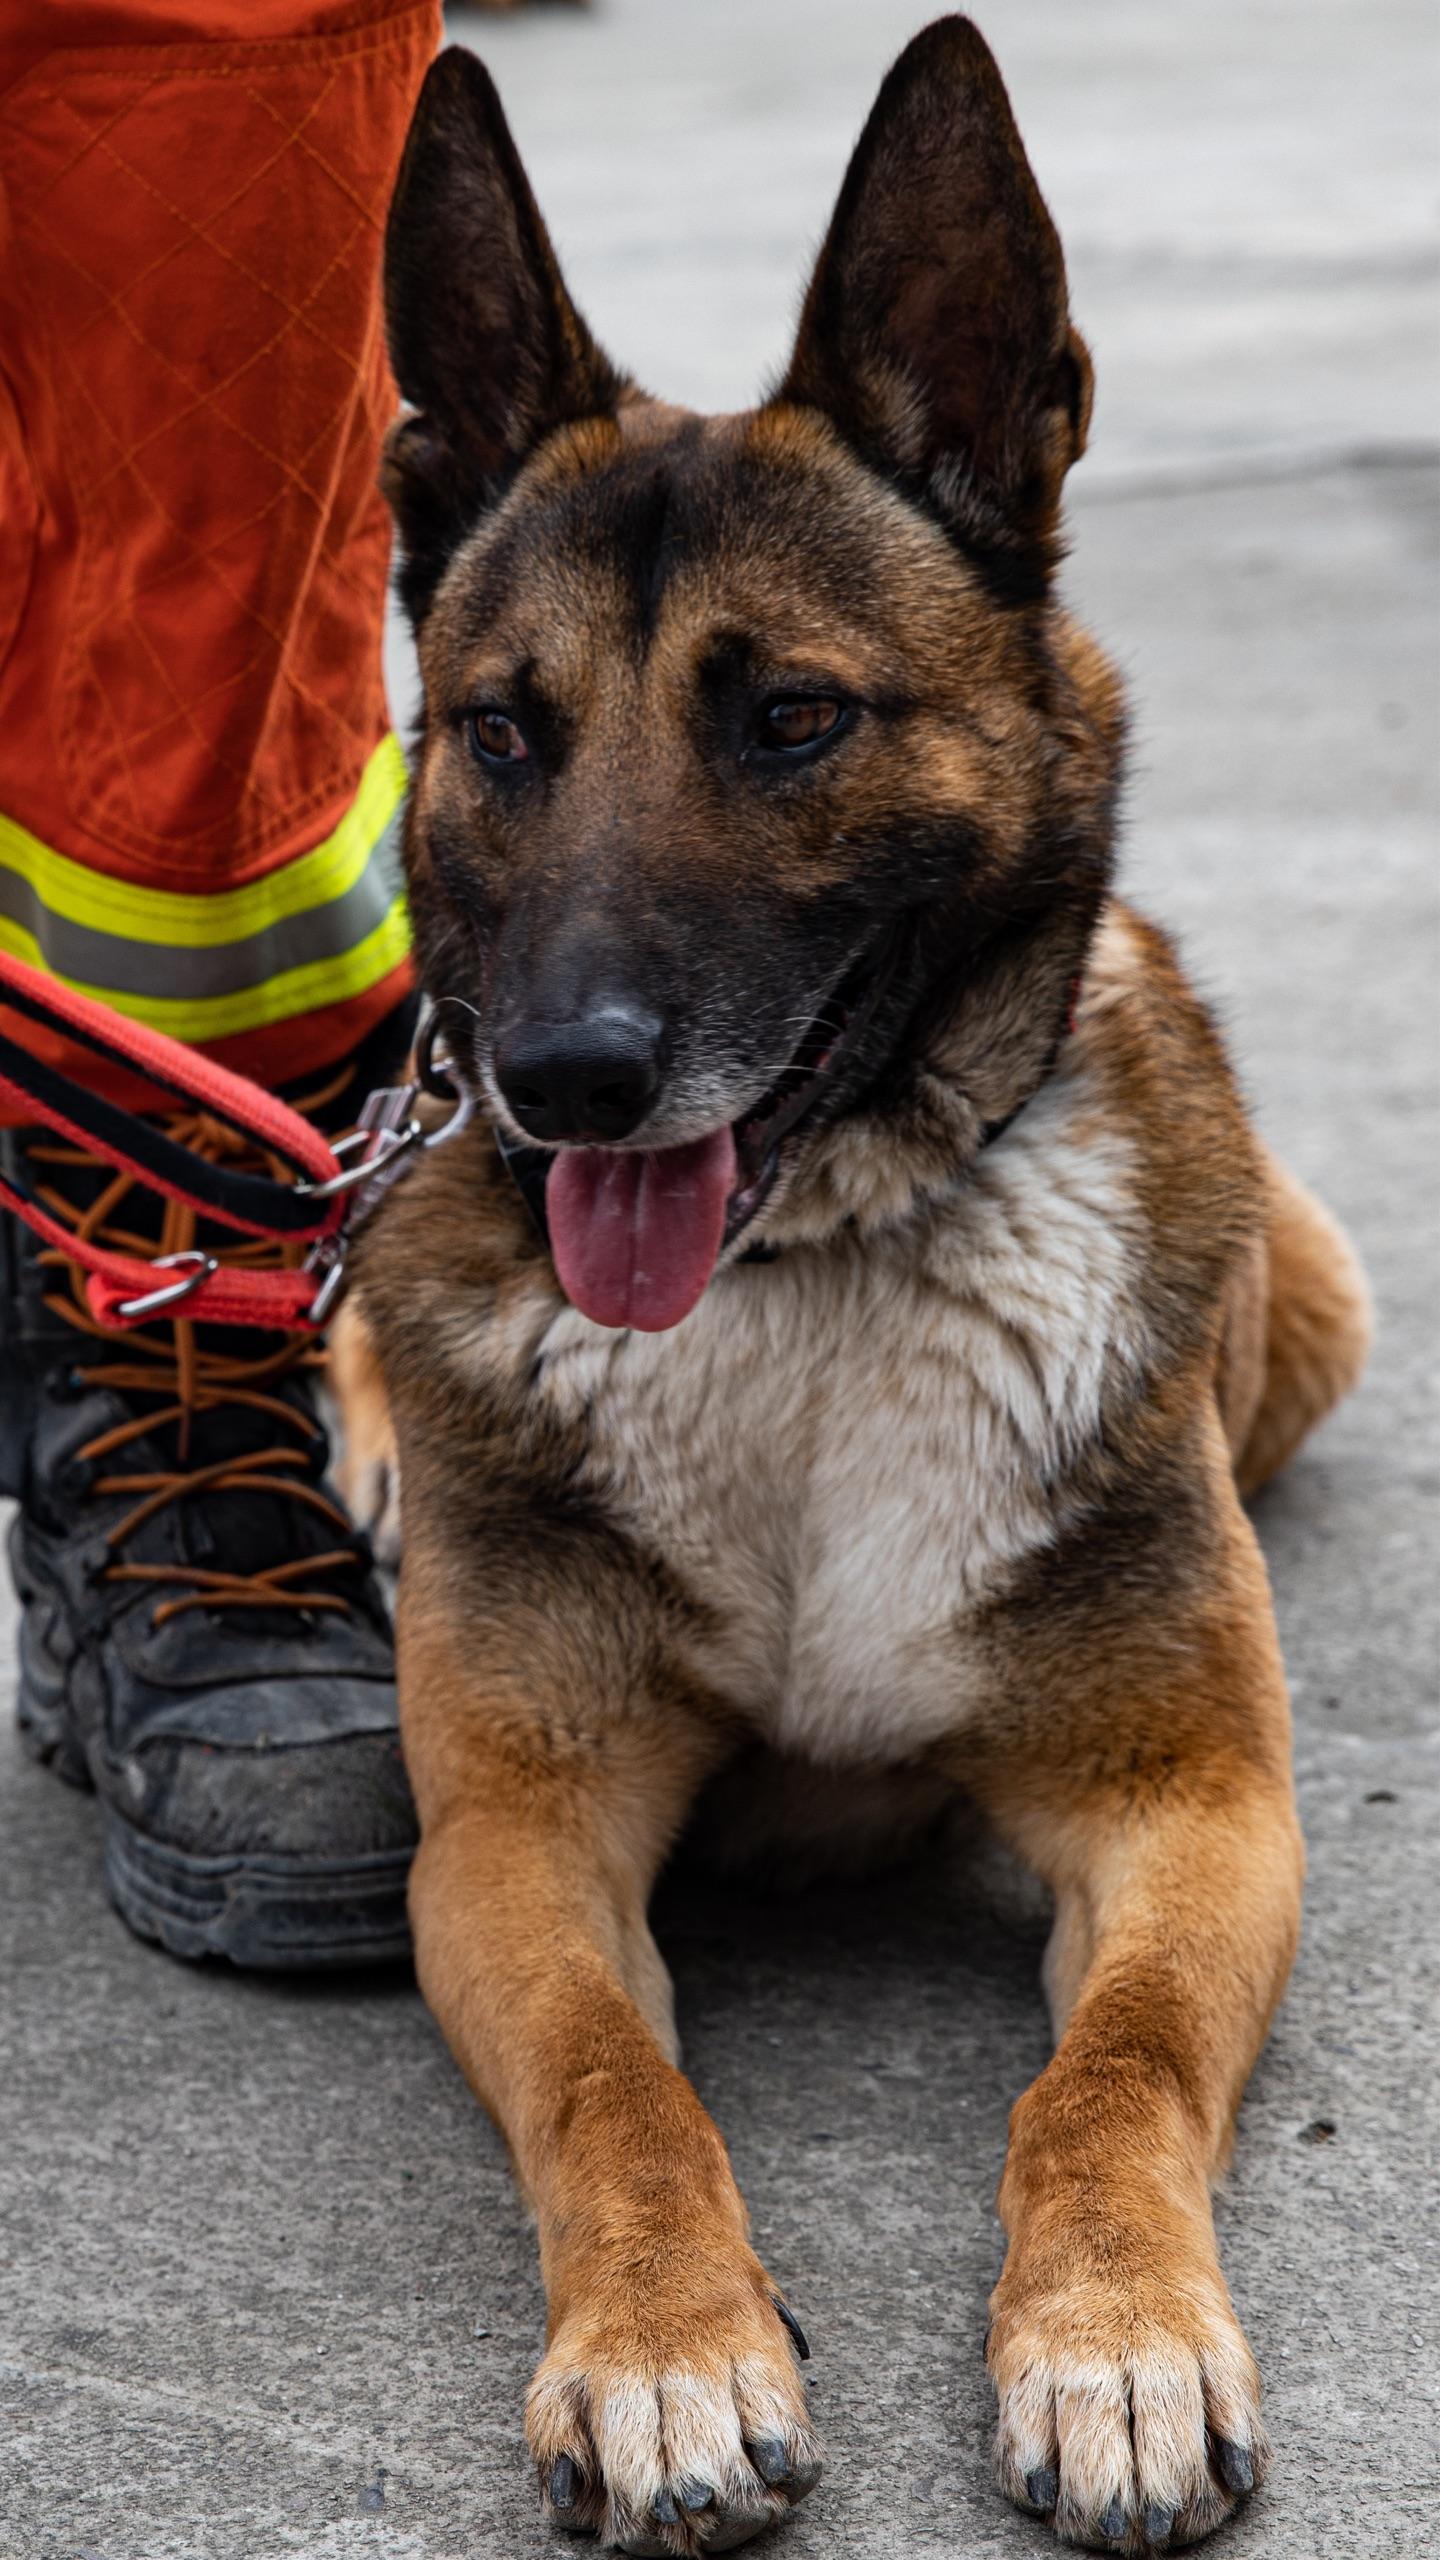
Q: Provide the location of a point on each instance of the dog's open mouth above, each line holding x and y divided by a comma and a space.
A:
636, 1234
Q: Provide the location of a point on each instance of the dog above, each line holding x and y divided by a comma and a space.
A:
829, 1372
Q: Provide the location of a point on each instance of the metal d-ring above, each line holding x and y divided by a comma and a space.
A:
436, 1075
439, 1075
460, 1118
201, 1267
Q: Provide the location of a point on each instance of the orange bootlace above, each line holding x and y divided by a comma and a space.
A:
191, 1377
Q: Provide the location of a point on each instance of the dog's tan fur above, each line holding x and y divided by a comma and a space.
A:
945, 1497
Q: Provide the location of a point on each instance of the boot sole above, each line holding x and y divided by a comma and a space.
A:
269, 1915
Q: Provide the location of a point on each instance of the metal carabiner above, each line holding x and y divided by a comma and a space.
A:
384, 1135
388, 1133
382, 1145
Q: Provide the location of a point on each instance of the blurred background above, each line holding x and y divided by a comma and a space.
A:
311, 2334
1245, 191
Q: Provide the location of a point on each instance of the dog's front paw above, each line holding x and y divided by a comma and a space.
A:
1129, 2409
674, 2429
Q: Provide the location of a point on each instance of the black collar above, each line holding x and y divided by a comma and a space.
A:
528, 1168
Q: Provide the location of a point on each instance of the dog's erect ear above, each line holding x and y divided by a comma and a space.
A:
486, 345
936, 329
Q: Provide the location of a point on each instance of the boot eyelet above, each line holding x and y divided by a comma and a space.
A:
66, 1383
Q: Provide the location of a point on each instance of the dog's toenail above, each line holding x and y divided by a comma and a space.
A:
665, 2510
695, 2496
802, 2344
1158, 2521
1236, 2468
1042, 2489
770, 2459
1112, 2523
564, 2482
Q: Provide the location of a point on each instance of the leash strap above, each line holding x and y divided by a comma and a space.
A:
123, 1290
126, 1289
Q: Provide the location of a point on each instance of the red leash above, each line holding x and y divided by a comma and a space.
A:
329, 1185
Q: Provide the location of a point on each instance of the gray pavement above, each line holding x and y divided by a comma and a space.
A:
267, 2288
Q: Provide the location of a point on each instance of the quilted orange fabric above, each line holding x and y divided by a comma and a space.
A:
193, 387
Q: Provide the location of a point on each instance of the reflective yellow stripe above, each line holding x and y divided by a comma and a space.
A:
292, 991
197, 922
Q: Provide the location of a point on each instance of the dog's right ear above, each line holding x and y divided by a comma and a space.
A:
487, 347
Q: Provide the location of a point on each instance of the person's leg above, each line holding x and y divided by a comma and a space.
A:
198, 793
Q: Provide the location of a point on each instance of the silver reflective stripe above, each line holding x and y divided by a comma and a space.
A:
319, 929
175, 971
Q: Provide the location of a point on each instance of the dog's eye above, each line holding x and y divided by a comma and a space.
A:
496, 739
798, 720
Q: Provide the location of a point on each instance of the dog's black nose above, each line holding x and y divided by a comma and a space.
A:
595, 1078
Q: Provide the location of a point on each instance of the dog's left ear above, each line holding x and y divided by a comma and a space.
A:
936, 331
486, 345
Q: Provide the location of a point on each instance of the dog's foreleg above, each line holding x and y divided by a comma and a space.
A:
1163, 1817
669, 2401
367, 1470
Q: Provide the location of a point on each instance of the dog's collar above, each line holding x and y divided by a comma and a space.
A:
529, 1166
529, 1169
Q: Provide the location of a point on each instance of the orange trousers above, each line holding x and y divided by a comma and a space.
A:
198, 787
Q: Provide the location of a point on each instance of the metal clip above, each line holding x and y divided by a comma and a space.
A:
327, 1257
398, 1141
388, 1136
200, 1268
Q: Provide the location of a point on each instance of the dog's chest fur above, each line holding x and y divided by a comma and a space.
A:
842, 1454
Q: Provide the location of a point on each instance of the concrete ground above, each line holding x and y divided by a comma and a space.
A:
267, 2288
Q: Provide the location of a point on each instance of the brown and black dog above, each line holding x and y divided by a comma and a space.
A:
917, 1303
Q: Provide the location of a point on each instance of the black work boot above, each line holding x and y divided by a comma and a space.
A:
203, 1640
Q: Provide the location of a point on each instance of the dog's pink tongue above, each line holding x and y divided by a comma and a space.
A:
636, 1237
